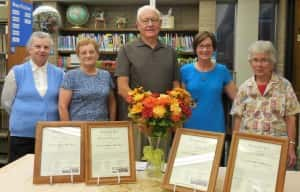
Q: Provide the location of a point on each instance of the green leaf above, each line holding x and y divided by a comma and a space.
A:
154, 156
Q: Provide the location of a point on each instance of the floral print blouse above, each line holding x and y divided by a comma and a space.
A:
265, 114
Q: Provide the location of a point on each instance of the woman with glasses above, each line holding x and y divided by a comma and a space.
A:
266, 103
206, 81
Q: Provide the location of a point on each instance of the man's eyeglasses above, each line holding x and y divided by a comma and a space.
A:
147, 21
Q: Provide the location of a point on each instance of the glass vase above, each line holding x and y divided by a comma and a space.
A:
154, 155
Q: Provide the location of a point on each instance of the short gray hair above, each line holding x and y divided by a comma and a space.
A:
40, 35
262, 47
147, 7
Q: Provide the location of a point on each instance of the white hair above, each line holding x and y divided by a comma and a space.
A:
262, 47
144, 8
40, 35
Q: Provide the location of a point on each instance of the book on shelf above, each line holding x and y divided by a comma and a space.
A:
182, 60
182, 43
108, 42
62, 61
74, 60
3, 38
2, 66
112, 42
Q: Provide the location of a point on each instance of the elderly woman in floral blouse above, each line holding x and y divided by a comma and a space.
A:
266, 103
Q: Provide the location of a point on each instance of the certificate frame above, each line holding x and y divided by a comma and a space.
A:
37, 177
89, 179
239, 136
219, 137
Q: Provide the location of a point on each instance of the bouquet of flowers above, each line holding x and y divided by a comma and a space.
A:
159, 112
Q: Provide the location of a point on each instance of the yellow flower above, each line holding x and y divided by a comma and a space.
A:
179, 93
138, 97
159, 111
137, 108
175, 108
173, 93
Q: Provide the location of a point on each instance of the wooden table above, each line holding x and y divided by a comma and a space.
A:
17, 177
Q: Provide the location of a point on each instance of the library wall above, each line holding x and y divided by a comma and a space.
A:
3, 13
296, 63
186, 26
189, 19
281, 40
207, 15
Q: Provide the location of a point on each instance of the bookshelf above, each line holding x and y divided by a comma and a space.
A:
180, 37
110, 40
3, 49
4, 133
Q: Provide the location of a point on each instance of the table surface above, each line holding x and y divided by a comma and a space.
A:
17, 177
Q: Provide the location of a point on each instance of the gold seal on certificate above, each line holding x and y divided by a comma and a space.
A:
194, 161
59, 152
110, 153
256, 163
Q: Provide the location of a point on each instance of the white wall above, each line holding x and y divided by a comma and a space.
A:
246, 33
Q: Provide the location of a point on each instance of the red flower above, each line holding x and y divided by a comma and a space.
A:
147, 112
185, 109
129, 99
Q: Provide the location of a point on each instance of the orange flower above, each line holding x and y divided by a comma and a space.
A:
176, 117
164, 99
149, 101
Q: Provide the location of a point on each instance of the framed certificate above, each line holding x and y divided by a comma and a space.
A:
256, 163
194, 161
59, 155
110, 153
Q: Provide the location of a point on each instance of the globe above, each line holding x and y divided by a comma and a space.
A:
46, 18
77, 15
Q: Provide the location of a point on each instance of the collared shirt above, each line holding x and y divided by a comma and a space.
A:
265, 114
153, 68
10, 86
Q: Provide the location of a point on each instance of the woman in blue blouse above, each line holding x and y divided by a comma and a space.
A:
87, 93
206, 81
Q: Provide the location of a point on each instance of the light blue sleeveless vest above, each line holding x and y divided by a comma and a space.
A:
28, 106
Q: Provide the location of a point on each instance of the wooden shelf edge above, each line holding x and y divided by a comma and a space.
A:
116, 52
4, 133
101, 52
85, 29
185, 53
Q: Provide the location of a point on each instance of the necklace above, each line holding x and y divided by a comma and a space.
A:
203, 72
203, 76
